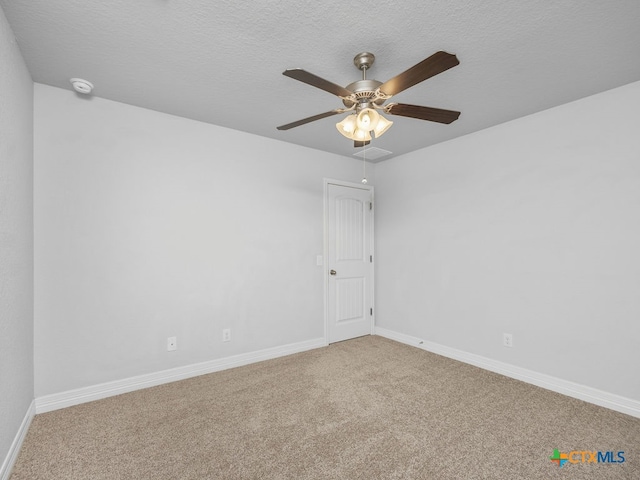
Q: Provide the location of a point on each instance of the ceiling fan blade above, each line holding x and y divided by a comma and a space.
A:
309, 119
429, 67
315, 81
357, 144
422, 113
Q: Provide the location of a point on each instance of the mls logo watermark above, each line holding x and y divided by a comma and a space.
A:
586, 456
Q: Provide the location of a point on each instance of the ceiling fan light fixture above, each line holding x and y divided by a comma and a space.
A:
361, 135
367, 119
382, 126
347, 126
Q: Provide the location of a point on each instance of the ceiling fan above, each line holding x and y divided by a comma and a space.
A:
364, 98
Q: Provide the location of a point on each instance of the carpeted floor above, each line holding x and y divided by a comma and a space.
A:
368, 408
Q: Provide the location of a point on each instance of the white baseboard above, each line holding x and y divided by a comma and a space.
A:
565, 387
12, 455
69, 398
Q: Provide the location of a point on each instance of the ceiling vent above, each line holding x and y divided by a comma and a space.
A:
372, 153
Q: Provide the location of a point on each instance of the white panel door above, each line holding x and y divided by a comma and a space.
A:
350, 267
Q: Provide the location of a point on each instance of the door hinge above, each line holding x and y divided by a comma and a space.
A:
370, 258
370, 205
371, 311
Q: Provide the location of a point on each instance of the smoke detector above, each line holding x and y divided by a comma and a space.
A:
81, 86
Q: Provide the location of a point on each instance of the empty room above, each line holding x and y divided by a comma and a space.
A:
315, 240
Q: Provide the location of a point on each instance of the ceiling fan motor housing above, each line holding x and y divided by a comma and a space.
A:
364, 91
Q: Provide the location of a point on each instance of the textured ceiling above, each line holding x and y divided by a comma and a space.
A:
221, 61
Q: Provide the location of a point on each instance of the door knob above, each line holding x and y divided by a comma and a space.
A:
332, 272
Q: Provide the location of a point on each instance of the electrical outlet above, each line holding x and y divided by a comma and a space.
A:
172, 344
226, 335
507, 340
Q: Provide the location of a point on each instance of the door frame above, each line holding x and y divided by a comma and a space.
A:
325, 255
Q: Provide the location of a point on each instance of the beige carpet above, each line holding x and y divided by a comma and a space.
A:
368, 408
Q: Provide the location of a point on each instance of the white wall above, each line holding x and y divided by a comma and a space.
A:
16, 238
150, 226
531, 228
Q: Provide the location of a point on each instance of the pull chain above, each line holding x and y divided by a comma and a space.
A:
364, 164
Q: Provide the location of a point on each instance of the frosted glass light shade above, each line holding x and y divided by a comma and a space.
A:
367, 119
361, 135
347, 126
382, 126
